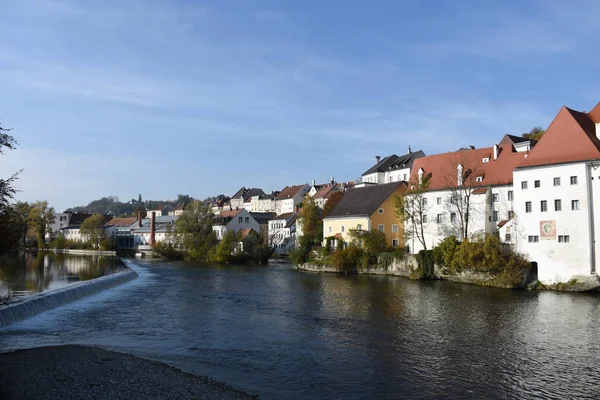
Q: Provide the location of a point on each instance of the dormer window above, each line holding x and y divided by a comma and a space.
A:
479, 179
486, 160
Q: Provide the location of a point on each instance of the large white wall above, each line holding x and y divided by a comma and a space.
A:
397, 175
481, 217
558, 262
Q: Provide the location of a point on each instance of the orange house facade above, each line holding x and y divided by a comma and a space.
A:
367, 208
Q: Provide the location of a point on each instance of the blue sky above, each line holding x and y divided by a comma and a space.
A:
202, 97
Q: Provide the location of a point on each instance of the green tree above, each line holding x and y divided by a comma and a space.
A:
41, 216
93, 228
224, 251
412, 208
194, 227
311, 224
535, 133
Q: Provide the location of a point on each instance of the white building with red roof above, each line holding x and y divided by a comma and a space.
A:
557, 199
291, 196
477, 180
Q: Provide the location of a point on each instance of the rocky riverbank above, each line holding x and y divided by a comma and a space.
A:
76, 372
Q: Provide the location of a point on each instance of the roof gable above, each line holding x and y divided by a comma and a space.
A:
364, 201
570, 137
289, 191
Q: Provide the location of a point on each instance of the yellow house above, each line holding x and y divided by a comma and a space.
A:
367, 208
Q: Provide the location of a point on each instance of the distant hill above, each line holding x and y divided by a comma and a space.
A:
112, 205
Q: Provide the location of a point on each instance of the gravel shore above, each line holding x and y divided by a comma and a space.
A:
77, 372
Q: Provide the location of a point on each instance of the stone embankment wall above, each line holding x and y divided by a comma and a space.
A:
408, 267
403, 267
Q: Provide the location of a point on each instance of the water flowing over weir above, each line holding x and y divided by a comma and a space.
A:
38, 303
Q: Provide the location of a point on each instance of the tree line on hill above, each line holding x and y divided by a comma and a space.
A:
111, 205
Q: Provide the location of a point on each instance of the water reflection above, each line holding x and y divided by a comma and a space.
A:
285, 334
28, 273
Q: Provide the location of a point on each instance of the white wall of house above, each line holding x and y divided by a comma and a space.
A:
397, 175
241, 221
573, 248
266, 205
237, 204
74, 234
486, 210
375, 177
248, 205
283, 206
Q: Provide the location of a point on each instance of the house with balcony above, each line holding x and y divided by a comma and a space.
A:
557, 199
282, 232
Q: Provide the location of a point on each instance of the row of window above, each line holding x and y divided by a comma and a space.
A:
536, 238
555, 181
244, 220
495, 198
575, 206
380, 227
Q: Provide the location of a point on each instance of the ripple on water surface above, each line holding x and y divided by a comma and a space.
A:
287, 334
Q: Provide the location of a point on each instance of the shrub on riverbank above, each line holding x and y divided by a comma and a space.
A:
488, 256
60, 242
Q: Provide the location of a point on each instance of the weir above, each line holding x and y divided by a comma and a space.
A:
38, 303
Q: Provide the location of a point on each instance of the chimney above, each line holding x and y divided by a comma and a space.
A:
296, 208
409, 150
152, 228
314, 182
378, 158
139, 218
332, 180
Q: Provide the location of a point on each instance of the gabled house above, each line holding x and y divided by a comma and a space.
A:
120, 231
178, 210
390, 169
160, 211
557, 199
234, 221
469, 190
290, 197
314, 188
367, 208
239, 198
324, 194
282, 232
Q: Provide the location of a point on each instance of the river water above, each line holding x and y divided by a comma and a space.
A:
286, 334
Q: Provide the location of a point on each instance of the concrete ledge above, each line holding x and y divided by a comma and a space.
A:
45, 301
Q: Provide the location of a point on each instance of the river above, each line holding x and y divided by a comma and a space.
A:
285, 334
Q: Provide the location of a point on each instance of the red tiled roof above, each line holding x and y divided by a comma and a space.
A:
442, 167
570, 137
289, 191
230, 213
502, 223
324, 191
122, 221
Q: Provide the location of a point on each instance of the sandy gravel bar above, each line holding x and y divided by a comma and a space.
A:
78, 372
